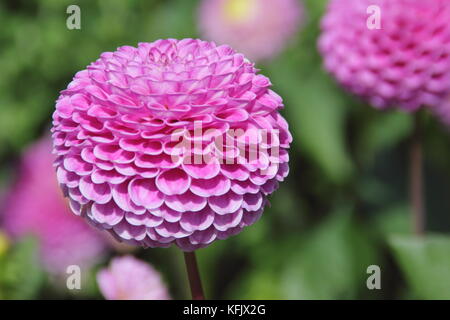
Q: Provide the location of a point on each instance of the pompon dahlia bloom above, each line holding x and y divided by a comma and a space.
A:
36, 206
258, 28
405, 63
128, 278
176, 141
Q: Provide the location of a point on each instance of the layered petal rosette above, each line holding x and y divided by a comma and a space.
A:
176, 141
402, 60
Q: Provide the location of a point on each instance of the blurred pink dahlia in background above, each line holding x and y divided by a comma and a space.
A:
404, 63
128, 278
35, 206
157, 144
442, 111
258, 28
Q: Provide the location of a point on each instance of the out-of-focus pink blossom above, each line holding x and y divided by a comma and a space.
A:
128, 278
35, 206
394, 53
258, 28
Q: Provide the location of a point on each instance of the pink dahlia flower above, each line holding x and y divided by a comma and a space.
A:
36, 206
442, 111
258, 28
405, 63
128, 278
170, 142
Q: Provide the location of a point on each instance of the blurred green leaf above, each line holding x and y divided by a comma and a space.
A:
425, 263
318, 122
382, 131
21, 275
331, 263
393, 220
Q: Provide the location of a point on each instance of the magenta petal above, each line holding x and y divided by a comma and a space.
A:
113, 153
75, 194
155, 236
270, 186
203, 237
77, 165
251, 217
216, 186
228, 221
185, 202
109, 214
122, 198
252, 202
225, 204
110, 176
203, 171
174, 181
167, 229
234, 171
143, 192
243, 187
129, 232
195, 221
146, 219
99, 193
67, 178
168, 214
283, 171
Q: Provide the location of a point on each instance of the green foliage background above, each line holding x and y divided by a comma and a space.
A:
344, 206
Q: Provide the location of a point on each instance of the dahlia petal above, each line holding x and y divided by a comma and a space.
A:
252, 202
67, 178
109, 213
225, 204
75, 194
111, 176
147, 219
167, 214
234, 172
216, 186
113, 153
197, 221
129, 232
203, 171
185, 202
174, 181
250, 218
167, 229
283, 171
270, 186
228, 221
203, 237
157, 161
99, 193
122, 199
143, 192
243, 187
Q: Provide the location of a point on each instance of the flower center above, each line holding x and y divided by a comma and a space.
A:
238, 10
